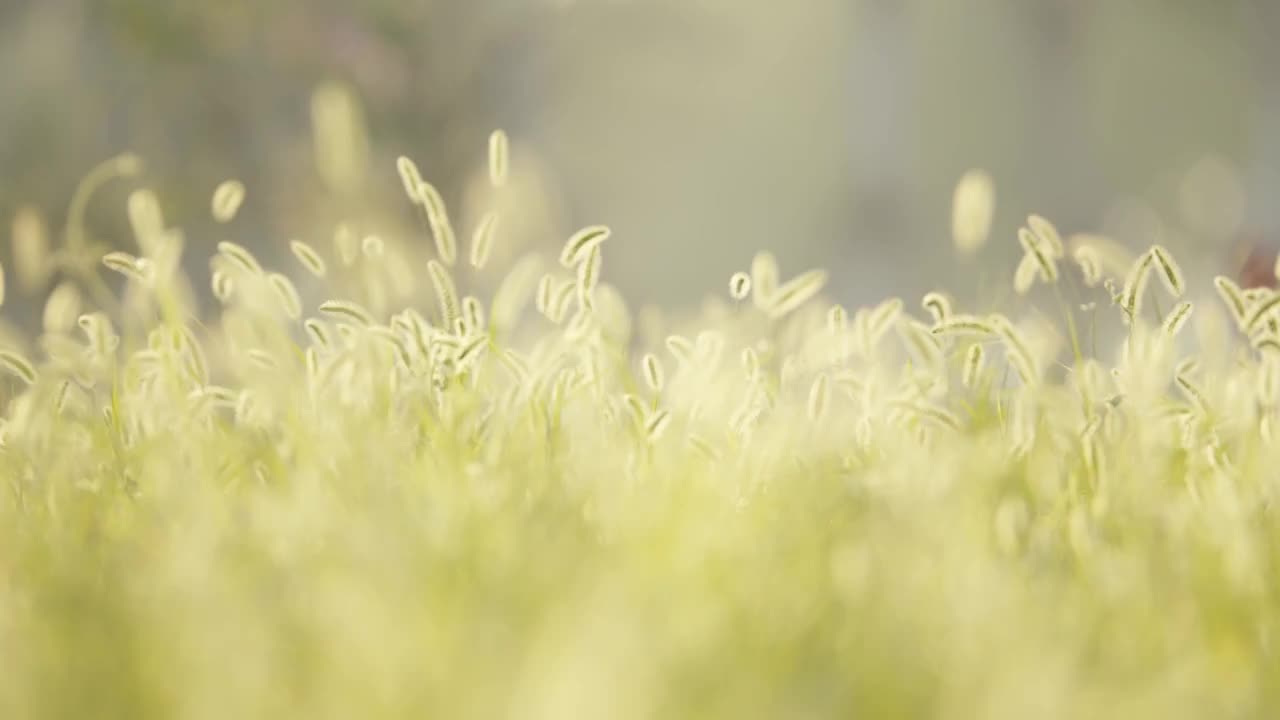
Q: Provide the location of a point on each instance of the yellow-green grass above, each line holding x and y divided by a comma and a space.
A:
535, 506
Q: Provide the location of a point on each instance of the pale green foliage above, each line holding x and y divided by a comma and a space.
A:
490, 514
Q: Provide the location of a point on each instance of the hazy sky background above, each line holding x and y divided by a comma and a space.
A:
831, 132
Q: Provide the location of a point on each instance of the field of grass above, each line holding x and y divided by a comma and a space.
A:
396, 499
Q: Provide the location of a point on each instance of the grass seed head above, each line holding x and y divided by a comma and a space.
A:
654, 376
1170, 272
579, 245
1040, 251
498, 158
1047, 234
482, 240
974, 358
972, 209
764, 279
226, 201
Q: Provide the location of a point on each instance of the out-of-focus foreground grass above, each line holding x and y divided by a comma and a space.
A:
444, 478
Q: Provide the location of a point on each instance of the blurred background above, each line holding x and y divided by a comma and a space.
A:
829, 131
